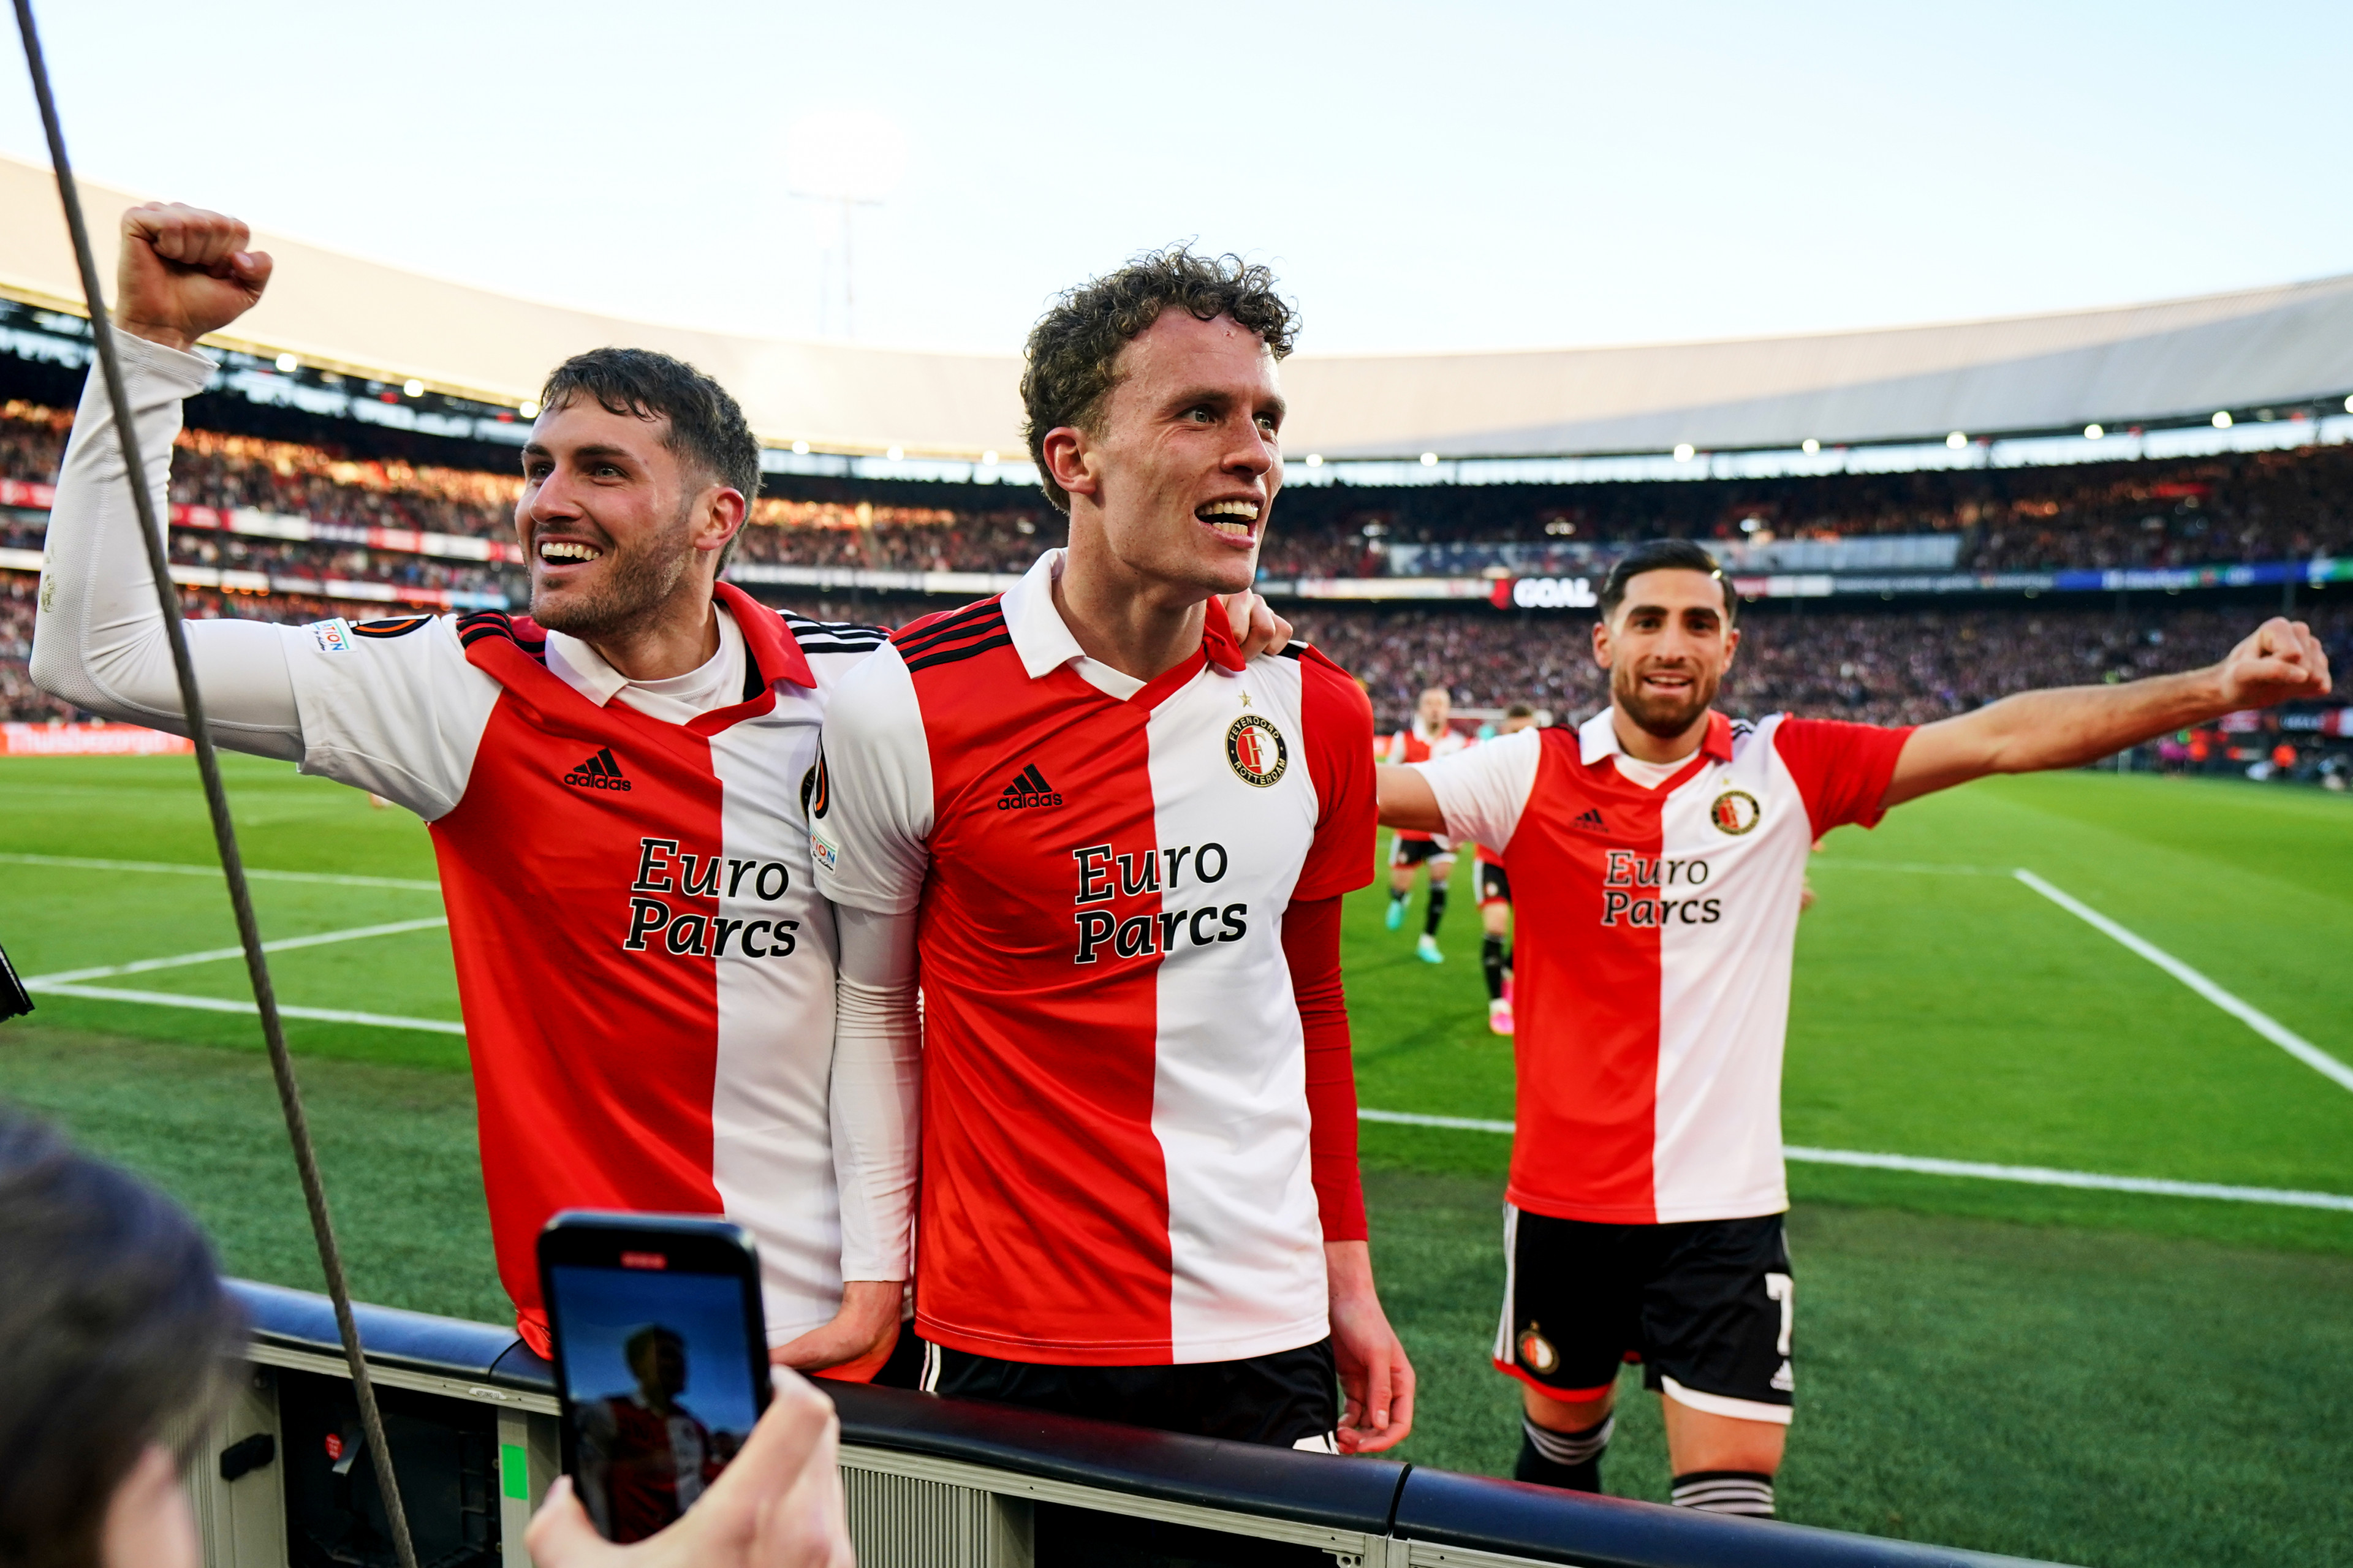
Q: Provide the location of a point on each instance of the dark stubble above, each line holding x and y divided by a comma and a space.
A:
637, 581
1657, 716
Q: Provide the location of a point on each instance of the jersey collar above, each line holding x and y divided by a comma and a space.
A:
1045, 644
1597, 738
775, 651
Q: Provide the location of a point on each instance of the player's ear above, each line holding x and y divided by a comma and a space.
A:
1065, 450
724, 511
1602, 643
1731, 644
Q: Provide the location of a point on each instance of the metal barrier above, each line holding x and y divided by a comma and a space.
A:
470, 1413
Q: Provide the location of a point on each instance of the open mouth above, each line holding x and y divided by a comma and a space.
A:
1234, 518
567, 551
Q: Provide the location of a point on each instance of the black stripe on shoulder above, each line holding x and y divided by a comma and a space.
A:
806, 630
481, 624
1743, 727
1293, 648
399, 627
958, 654
975, 619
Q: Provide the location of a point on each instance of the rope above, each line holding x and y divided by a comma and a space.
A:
240, 897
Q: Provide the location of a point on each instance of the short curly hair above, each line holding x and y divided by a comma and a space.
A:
1073, 350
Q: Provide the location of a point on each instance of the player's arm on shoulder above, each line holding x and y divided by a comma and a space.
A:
2066, 727
1255, 627
871, 814
873, 1109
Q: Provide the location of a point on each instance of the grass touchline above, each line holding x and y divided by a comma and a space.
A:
2033, 1175
143, 965
2255, 1017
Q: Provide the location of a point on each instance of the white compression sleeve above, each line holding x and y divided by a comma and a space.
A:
875, 1104
99, 641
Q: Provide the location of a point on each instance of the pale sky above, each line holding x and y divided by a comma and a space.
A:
1426, 178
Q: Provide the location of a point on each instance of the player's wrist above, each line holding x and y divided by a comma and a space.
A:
162, 332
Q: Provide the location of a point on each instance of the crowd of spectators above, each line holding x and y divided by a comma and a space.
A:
1880, 667
2256, 506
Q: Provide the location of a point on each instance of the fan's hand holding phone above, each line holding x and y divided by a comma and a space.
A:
661, 1358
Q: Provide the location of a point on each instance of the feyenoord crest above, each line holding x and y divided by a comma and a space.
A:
1536, 1352
1736, 811
1255, 746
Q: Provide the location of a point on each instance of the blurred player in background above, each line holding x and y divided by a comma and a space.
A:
1119, 847
1430, 735
1495, 903
1658, 853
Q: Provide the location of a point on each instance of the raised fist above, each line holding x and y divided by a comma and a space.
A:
184, 272
2283, 661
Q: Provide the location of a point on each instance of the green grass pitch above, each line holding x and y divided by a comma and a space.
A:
2094, 1377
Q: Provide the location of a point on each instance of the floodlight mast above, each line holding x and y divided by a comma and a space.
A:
248, 930
849, 205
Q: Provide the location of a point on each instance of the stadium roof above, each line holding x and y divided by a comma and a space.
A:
2174, 361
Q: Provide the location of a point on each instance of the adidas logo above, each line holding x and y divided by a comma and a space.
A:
1590, 820
599, 771
1028, 789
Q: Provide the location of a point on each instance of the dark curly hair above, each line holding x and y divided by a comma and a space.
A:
707, 427
1073, 350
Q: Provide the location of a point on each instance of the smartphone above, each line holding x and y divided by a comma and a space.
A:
661, 1358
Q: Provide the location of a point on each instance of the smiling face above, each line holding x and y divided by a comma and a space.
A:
1666, 649
1181, 473
615, 526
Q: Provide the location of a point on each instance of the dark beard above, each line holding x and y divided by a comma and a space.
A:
1653, 717
635, 583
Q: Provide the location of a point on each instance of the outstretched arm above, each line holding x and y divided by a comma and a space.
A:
98, 639
2068, 726
1407, 800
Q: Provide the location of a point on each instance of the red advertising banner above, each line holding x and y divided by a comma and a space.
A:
89, 741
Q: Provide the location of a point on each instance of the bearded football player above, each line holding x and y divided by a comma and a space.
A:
1119, 847
1657, 855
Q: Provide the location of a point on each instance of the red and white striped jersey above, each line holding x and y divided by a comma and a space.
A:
1126, 1157
646, 972
1655, 933
646, 966
1409, 745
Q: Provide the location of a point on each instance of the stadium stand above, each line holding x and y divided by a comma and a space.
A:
298, 530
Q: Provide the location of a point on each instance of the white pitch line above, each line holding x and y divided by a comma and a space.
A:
2255, 1017
1925, 868
2031, 1175
218, 1004
213, 955
78, 863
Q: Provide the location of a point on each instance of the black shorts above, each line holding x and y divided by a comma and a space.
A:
1495, 884
1404, 851
1704, 1305
1288, 1399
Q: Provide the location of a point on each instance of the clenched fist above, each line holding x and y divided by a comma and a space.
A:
184, 272
2283, 661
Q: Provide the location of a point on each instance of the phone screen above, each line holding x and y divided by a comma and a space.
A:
659, 1389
